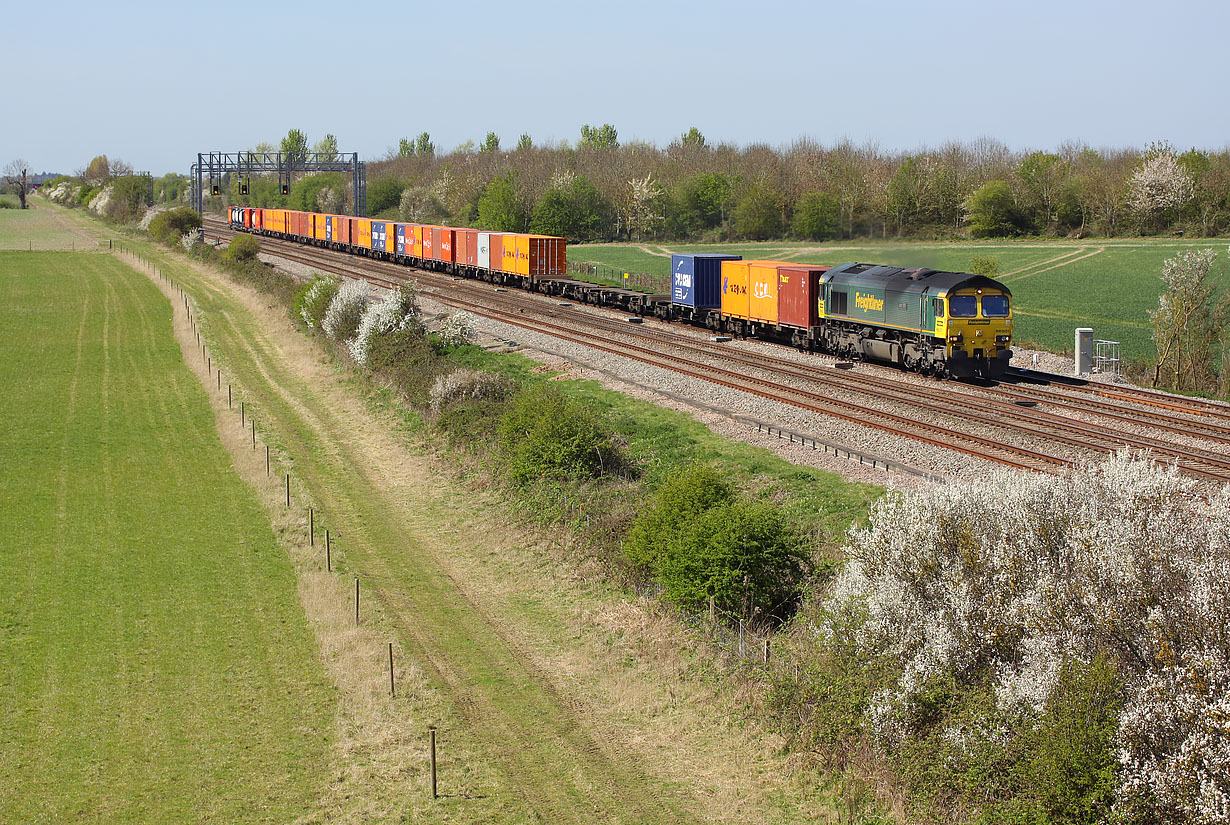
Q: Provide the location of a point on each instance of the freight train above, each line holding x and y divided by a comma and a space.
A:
931, 322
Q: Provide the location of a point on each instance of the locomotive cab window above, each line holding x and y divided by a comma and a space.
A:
937, 306
963, 306
995, 306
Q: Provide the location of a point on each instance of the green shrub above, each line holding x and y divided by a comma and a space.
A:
313, 298
987, 265
744, 555
473, 422
168, 227
242, 248
1070, 772
205, 252
699, 541
546, 434
86, 194
685, 497
407, 360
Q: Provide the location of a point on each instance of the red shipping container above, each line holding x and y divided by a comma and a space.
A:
430, 238
467, 247
798, 295
547, 255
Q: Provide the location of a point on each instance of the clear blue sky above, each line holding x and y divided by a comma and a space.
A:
155, 83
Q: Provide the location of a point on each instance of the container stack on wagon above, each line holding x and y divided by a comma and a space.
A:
938, 323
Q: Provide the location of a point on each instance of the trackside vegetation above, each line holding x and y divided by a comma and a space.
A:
155, 662
549, 443
1011, 651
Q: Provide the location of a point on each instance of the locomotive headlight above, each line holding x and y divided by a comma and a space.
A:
955, 339
1002, 339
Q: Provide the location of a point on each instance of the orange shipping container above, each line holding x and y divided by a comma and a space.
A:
521, 257
749, 289
363, 235
428, 244
508, 260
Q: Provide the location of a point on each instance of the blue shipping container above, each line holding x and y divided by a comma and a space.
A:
401, 239
378, 229
328, 227
696, 279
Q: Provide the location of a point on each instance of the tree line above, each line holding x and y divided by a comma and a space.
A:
600, 189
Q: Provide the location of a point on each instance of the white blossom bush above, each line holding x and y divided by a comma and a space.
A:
309, 302
396, 311
1160, 183
466, 384
1015, 575
345, 311
455, 329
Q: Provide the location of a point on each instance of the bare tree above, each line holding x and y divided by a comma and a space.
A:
17, 176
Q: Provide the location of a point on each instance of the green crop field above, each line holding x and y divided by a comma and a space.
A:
155, 663
1109, 285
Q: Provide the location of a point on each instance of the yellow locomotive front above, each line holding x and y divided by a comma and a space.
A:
978, 329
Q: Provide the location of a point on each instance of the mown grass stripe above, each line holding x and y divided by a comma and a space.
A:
155, 664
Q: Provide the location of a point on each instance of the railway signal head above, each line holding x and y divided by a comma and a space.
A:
243, 187
215, 189
286, 189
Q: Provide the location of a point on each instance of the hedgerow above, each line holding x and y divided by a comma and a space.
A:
1054, 645
396, 311
312, 300
345, 312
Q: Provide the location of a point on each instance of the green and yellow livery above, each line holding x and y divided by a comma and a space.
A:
932, 322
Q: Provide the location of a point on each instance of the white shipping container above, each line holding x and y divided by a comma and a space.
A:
484, 250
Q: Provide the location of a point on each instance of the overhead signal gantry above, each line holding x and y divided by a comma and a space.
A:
212, 166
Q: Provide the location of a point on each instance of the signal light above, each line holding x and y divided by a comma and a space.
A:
215, 189
286, 189
243, 188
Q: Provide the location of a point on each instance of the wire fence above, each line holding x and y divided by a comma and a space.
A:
641, 281
736, 645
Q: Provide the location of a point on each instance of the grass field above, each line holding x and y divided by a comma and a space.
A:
559, 698
1108, 285
45, 227
155, 663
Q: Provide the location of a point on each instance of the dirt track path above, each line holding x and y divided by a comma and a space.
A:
384, 513
562, 736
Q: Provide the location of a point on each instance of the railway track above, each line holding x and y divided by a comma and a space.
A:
885, 403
